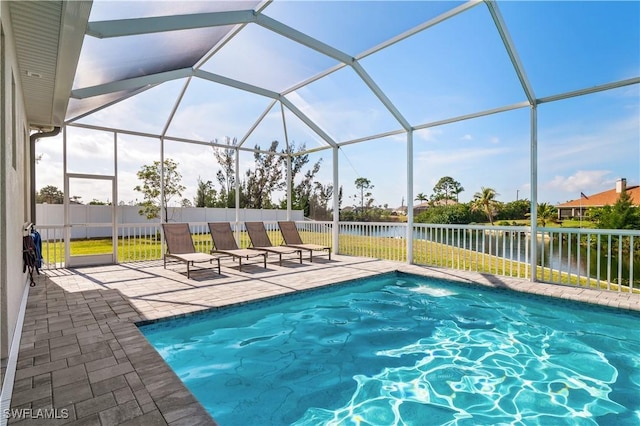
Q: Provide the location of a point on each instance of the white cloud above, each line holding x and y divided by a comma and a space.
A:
467, 137
214, 121
429, 134
587, 156
563, 147
588, 181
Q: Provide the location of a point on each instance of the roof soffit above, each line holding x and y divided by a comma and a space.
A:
48, 37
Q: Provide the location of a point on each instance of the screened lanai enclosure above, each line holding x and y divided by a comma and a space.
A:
536, 100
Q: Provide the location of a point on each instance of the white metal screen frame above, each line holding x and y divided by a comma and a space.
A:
98, 259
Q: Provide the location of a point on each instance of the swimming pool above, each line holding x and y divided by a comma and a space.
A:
405, 349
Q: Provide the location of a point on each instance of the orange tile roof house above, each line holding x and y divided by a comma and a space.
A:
577, 208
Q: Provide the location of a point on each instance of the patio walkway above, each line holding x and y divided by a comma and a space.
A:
82, 355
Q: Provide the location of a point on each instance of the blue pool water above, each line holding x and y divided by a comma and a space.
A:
408, 350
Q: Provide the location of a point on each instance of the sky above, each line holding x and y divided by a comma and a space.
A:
457, 67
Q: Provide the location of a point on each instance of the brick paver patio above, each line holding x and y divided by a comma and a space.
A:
82, 355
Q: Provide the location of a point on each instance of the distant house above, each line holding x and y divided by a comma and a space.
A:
577, 208
419, 208
444, 202
399, 211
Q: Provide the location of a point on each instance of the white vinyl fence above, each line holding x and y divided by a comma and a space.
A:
82, 217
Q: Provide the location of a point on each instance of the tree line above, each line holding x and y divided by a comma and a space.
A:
258, 184
51, 194
485, 206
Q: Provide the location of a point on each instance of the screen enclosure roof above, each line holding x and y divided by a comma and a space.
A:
206, 71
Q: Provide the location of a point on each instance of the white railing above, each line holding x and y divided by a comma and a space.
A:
312, 232
605, 259
144, 242
52, 246
139, 242
498, 250
601, 258
381, 240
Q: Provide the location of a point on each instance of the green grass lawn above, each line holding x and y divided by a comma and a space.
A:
129, 249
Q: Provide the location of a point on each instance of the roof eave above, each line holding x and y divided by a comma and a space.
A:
75, 18
48, 37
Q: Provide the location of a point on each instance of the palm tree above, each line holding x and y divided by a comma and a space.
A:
485, 200
547, 213
421, 197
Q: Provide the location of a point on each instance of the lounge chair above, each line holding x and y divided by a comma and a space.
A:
292, 238
260, 241
180, 246
225, 244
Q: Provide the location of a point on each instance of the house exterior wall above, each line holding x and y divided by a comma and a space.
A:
14, 185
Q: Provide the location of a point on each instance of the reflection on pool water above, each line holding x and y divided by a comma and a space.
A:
403, 349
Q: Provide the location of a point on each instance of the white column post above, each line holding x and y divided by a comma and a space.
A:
163, 207
237, 186
336, 202
114, 198
289, 184
67, 225
534, 192
410, 197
